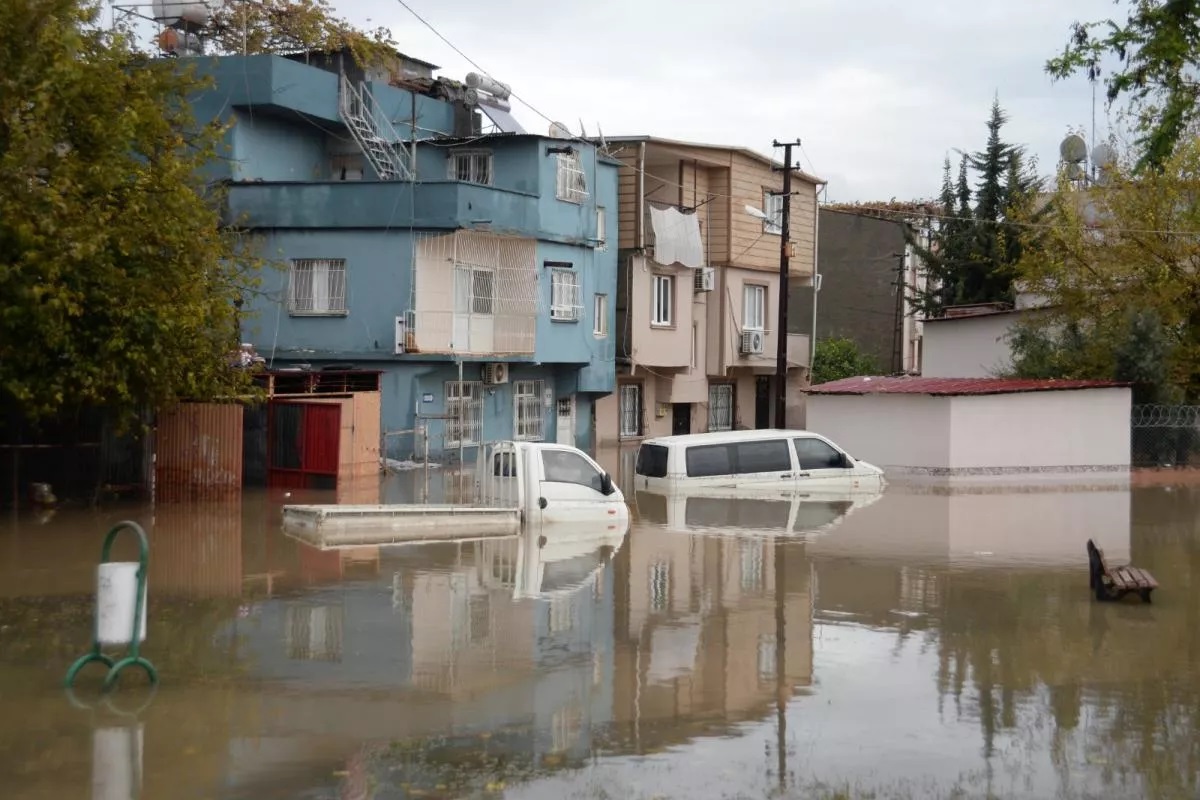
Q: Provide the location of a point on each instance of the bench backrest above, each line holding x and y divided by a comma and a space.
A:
1096, 560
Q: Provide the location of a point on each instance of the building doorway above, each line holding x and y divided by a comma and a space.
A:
681, 418
762, 402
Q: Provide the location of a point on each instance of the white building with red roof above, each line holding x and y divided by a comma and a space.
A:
978, 428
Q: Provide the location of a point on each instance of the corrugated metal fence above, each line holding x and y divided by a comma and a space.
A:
198, 449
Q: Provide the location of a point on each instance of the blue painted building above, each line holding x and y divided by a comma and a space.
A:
411, 238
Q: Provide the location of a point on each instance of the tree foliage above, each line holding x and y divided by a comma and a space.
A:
839, 358
1119, 264
118, 283
1157, 48
975, 244
291, 26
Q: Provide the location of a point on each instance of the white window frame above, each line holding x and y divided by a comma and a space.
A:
773, 208
471, 166
630, 410
305, 276
754, 307
479, 299
720, 407
529, 415
570, 179
600, 316
601, 229
662, 300
564, 295
472, 422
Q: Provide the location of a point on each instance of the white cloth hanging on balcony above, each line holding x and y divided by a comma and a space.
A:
676, 237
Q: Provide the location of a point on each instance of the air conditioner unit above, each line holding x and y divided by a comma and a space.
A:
752, 343
706, 278
495, 373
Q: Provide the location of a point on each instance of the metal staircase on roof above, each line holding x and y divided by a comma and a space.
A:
374, 134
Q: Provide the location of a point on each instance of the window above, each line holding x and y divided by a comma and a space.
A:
631, 410
652, 461
754, 308
317, 286
742, 458
529, 418
471, 166
600, 316
564, 295
773, 208
815, 454
660, 585
766, 657
750, 555
720, 407
474, 290
662, 309
464, 406
572, 183
601, 229
563, 466
695, 343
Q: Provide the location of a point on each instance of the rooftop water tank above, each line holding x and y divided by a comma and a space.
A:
195, 14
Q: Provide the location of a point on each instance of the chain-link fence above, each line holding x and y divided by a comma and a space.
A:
1165, 436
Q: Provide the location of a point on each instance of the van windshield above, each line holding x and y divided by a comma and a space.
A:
652, 461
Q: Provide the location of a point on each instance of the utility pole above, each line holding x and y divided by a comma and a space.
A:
785, 247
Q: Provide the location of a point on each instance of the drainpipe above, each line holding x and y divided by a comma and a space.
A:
816, 279
640, 218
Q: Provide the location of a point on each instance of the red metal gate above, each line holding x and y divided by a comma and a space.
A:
303, 444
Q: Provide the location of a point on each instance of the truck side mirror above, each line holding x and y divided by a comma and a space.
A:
606, 484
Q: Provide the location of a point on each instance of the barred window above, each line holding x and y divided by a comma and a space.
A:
564, 295
720, 407
572, 182
317, 286
631, 410
528, 415
464, 407
471, 166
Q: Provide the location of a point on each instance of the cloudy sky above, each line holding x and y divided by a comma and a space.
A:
878, 91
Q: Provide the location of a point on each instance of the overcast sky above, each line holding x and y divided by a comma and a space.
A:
879, 91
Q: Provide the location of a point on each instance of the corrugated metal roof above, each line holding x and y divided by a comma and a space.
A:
952, 386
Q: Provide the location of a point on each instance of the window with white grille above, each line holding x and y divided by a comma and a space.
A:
773, 208
662, 300
720, 407
471, 166
474, 290
751, 558
631, 410
660, 585
317, 286
464, 409
600, 316
572, 183
601, 229
564, 295
754, 308
529, 418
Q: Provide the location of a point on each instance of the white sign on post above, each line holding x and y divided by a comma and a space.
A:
116, 596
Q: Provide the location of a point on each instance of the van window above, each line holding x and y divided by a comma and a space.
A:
769, 455
563, 466
815, 454
710, 459
652, 461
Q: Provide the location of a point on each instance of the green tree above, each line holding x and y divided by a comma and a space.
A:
1117, 263
1157, 49
839, 358
976, 243
117, 281
289, 26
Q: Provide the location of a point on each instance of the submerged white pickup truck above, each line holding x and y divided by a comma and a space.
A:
516, 484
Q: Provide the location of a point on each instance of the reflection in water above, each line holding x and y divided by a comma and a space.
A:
913, 644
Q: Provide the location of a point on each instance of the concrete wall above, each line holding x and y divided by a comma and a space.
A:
886, 430
1088, 427
967, 347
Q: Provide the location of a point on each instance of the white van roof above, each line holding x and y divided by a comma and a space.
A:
723, 437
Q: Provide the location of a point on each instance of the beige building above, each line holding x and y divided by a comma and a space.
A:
698, 289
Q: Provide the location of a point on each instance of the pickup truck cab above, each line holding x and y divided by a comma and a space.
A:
549, 483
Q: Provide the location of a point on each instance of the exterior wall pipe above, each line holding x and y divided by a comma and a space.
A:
816, 278
640, 219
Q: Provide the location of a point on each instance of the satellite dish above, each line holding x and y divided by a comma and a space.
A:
1103, 156
600, 133
1073, 149
560, 131
1075, 171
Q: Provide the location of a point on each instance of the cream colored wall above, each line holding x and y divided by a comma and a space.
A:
752, 248
728, 341
885, 430
653, 346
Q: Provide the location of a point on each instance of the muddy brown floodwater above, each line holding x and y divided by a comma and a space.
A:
917, 644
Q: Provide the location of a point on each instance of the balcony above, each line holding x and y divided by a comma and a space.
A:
272, 83
382, 204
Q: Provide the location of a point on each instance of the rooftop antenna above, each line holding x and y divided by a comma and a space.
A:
1074, 152
582, 130
603, 143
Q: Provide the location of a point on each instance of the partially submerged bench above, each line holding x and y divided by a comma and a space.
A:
1115, 583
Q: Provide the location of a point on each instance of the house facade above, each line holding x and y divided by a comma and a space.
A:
419, 231
869, 274
698, 294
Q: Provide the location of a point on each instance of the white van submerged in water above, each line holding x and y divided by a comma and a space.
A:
750, 460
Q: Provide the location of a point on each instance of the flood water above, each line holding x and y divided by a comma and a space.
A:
917, 644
